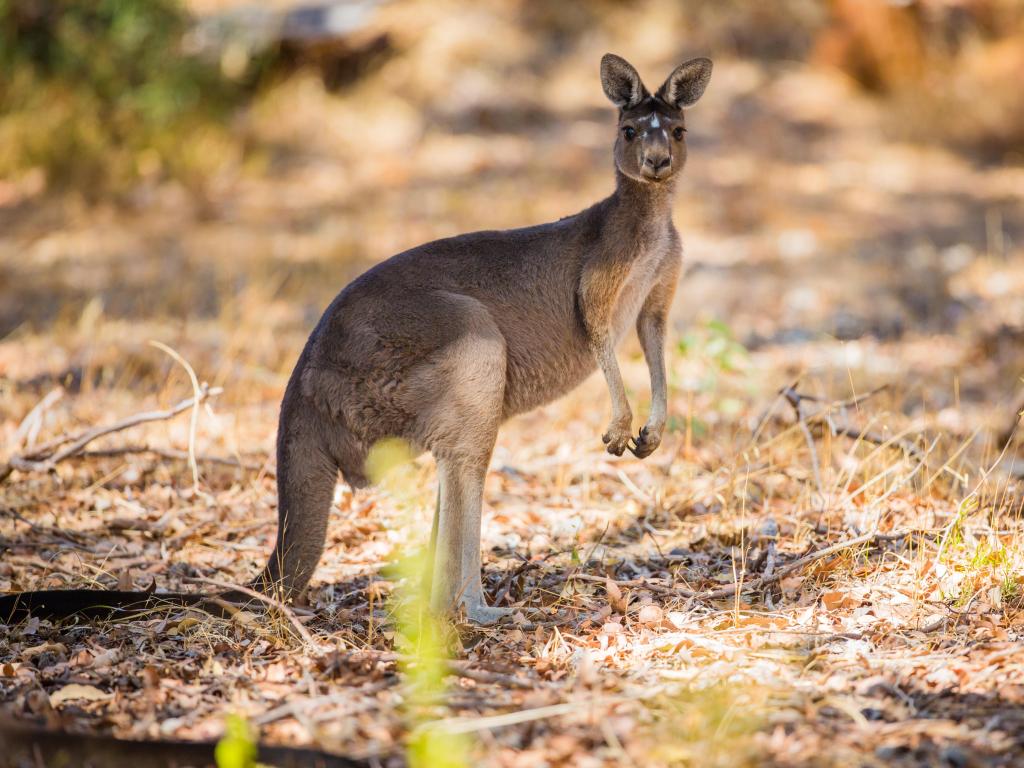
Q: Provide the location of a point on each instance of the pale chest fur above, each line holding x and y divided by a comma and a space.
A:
638, 283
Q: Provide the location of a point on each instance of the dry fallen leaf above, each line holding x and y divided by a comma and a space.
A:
651, 614
186, 623
677, 619
244, 618
74, 691
839, 599
106, 659
36, 650
616, 599
125, 580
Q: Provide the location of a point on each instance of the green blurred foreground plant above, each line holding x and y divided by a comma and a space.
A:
237, 747
419, 635
100, 93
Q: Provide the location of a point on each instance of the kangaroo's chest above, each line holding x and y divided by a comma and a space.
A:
637, 285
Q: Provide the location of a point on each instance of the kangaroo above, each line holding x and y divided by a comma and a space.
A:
442, 343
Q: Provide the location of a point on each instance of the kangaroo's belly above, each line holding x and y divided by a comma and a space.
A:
547, 370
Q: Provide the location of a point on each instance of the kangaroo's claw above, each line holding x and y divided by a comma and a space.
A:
645, 443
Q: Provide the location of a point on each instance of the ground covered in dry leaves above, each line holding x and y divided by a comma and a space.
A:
821, 566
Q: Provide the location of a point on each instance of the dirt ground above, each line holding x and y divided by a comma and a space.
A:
691, 609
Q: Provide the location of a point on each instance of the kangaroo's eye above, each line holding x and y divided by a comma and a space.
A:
629, 132
678, 133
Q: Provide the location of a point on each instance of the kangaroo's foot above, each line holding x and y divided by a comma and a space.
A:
483, 614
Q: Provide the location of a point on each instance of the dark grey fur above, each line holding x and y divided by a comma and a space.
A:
440, 344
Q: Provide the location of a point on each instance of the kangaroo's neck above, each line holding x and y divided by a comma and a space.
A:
638, 208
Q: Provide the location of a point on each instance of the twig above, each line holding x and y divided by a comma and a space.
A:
280, 607
763, 418
176, 455
194, 420
796, 400
452, 666
65, 536
769, 531
465, 669
856, 400
823, 415
30, 425
301, 706
39, 461
474, 724
505, 587
730, 589
766, 579
637, 584
871, 437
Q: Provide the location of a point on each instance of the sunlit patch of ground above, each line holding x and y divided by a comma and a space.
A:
901, 650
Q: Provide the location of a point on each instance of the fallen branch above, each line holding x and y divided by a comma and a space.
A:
785, 570
765, 580
458, 667
823, 415
299, 707
176, 455
45, 457
796, 400
33, 421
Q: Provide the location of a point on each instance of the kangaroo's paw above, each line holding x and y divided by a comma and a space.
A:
645, 443
617, 437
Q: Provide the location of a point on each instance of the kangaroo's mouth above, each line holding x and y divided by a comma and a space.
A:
659, 175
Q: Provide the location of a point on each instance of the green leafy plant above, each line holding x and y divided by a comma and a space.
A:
714, 342
420, 635
99, 93
711, 356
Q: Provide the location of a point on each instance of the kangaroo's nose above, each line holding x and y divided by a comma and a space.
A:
657, 163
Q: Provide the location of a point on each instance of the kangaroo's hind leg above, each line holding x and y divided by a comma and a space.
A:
456, 578
460, 394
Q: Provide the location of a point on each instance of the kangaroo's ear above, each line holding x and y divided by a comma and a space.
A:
621, 83
686, 83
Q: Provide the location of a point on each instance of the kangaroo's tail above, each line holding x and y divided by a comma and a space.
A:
312, 447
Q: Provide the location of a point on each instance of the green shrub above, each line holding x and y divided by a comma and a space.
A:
99, 93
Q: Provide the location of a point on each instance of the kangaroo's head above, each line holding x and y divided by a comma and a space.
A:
651, 145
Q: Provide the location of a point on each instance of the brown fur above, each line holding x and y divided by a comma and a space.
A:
440, 344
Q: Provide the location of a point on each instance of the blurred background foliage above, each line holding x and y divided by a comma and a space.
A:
854, 169
100, 94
